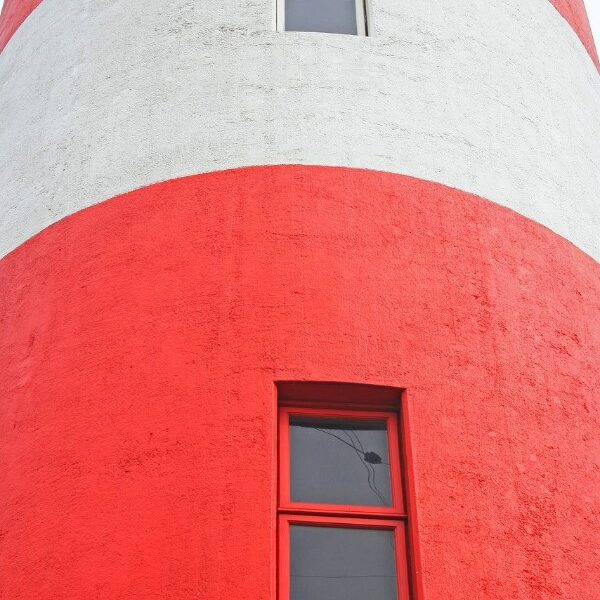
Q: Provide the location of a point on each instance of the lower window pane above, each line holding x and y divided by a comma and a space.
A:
339, 563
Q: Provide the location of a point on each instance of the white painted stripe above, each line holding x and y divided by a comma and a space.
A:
498, 98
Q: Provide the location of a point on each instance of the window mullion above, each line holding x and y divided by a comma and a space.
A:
287, 510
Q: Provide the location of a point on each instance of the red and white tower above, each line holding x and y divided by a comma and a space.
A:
196, 204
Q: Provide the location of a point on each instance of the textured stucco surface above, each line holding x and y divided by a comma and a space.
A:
14, 12
141, 339
498, 98
575, 13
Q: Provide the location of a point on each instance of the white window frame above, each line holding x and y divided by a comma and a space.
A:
362, 16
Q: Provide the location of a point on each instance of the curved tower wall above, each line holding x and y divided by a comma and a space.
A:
194, 206
497, 99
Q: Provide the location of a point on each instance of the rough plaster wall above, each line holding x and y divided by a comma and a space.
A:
143, 336
575, 14
14, 12
101, 97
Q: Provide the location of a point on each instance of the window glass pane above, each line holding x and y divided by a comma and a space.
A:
329, 16
339, 461
331, 563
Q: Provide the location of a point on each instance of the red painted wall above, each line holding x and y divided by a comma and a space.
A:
16, 11
141, 339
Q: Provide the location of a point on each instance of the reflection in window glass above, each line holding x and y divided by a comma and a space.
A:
328, 16
334, 563
339, 461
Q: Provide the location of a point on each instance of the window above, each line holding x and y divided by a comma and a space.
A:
327, 16
343, 523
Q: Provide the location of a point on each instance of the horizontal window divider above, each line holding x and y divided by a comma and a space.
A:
319, 512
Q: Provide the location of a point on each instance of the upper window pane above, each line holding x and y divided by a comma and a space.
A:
335, 563
339, 461
328, 16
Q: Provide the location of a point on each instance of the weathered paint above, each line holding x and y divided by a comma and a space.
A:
497, 98
142, 336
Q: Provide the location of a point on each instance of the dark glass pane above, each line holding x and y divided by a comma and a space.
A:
331, 563
339, 461
329, 16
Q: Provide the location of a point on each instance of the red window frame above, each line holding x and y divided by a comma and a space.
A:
394, 518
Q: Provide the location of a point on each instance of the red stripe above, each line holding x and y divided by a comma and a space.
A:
141, 338
575, 14
14, 12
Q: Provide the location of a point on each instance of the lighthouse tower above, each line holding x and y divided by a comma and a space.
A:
299, 300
